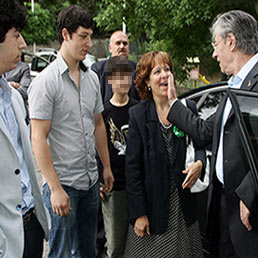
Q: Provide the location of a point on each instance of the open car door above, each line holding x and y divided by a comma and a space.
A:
245, 107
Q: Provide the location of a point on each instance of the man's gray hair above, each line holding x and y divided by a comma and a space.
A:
242, 25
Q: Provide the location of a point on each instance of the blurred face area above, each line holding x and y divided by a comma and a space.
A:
11, 50
223, 53
158, 79
121, 82
119, 44
78, 43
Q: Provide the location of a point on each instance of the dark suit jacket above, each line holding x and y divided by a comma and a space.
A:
238, 181
147, 169
106, 90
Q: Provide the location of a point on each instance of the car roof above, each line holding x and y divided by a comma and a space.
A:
47, 49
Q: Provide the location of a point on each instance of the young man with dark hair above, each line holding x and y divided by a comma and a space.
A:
116, 117
23, 220
67, 125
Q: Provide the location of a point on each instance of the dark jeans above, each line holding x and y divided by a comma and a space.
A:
33, 238
77, 232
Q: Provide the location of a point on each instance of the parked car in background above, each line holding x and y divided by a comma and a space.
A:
244, 105
45, 56
207, 97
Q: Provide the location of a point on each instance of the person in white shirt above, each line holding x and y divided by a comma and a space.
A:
233, 200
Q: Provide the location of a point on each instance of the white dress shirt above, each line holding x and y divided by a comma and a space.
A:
234, 82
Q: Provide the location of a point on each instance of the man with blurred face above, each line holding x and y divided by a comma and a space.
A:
23, 221
118, 46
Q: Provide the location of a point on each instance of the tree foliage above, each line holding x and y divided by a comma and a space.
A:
41, 25
180, 27
42, 22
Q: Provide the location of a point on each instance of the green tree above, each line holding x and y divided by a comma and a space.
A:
41, 25
180, 27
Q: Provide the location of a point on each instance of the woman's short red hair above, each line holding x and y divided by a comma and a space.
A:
144, 68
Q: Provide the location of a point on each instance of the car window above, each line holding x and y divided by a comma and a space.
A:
210, 103
196, 98
41, 64
52, 58
249, 109
244, 104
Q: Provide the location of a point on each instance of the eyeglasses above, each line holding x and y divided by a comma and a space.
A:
215, 44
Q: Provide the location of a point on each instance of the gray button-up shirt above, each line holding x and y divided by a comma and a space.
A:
53, 95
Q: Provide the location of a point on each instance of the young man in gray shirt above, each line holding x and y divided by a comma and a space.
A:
67, 125
23, 218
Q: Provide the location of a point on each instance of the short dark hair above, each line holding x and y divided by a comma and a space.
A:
118, 64
12, 14
71, 18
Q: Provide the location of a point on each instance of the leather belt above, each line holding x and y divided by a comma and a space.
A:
26, 217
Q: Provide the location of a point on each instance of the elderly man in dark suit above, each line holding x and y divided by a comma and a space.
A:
118, 46
232, 198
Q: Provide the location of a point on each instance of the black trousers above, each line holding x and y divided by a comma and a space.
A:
33, 238
226, 249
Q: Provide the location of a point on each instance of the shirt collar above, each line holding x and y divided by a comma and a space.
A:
5, 87
61, 63
238, 79
63, 67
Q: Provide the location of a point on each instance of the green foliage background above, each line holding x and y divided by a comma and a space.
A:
41, 25
180, 27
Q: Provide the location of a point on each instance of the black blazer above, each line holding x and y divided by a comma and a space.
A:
106, 90
147, 169
238, 180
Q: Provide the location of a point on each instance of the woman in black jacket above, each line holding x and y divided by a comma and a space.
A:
162, 210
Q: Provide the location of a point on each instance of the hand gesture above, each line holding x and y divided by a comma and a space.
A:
108, 180
15, 85
244, 215
102, 193
171, 89
141, 226
193, 173
60, 202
